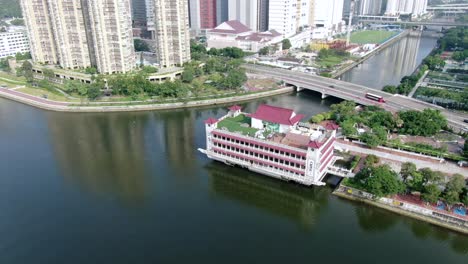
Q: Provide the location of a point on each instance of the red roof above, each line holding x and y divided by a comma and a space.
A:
331, 126
211, 121
277, 115
315, 144
231, 27
235, 108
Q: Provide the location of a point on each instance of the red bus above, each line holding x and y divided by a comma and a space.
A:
375, 97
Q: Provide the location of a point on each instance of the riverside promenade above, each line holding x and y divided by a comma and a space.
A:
407, 207
58, 106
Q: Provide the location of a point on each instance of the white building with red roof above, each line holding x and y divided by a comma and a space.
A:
235, 34
272, 142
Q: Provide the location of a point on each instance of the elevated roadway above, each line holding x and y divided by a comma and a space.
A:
353, 92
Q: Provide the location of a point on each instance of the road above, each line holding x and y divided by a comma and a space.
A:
400, 157
355, 92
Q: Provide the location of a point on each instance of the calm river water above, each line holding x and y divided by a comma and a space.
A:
393, 63
132, 188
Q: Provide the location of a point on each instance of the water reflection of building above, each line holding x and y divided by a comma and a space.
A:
103, 153
286, 200
179, 127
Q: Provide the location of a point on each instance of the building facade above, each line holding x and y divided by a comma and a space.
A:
236, 34
222, 12
370, 7
289, 152
69, 31
80, 34
202, 15
112, 37
328, 14
245, 11
171, 32
41, 37
405, 7
12, 42
287, 17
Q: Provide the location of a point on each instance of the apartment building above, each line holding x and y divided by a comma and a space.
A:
287, 17
79, 34
171, 32
12, 42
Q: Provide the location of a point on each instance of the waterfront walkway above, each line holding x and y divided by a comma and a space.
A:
397, 157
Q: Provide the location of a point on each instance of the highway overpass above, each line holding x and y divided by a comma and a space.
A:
393, 20
353, 92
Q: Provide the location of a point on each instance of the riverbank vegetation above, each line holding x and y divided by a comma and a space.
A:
431, 186
374, 126
445, 84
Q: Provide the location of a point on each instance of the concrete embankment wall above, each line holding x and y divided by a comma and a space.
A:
413, 211
144, 107
372, 53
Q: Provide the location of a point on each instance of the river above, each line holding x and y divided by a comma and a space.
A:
132, 188
392, 63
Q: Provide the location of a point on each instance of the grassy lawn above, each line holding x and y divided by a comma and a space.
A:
40, 92
371, 36
238, 124
12, 78
329, 61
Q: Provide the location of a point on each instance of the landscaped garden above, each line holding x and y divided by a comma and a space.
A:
240, 123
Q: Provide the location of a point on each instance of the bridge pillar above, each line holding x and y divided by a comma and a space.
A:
324, 95
298, 88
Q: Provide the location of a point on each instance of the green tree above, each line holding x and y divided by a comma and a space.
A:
286, 44
431, 193
425, 123
451, 198
415, 182
188, 74
380, 181
264, 51
343, 111
26, 71
90, 70
141, 45
456, 184
434, 62
48, 73
317, 118
94, 92
4, 65
407, 170
371, 160
390, 89
23, 56
430, 176
149, 69
235, 79
348, 129
370, 139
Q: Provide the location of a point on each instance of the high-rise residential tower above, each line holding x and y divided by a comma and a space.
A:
370, 7
287, 17
328, 13
413, 7
245, 11
70, 37
41, 37
222, 12
110, 26
171, 32
79, 34
202, 14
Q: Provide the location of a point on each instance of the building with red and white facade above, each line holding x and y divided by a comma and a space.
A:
235, 34
272, 142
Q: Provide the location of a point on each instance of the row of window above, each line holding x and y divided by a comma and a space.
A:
261, 156
256, 163
255, 146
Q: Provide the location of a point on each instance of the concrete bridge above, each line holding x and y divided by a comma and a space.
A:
353, 92
396, 20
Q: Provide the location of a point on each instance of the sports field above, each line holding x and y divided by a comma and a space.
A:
372, 36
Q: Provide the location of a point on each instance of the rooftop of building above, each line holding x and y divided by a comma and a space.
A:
300, 136
231, 27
